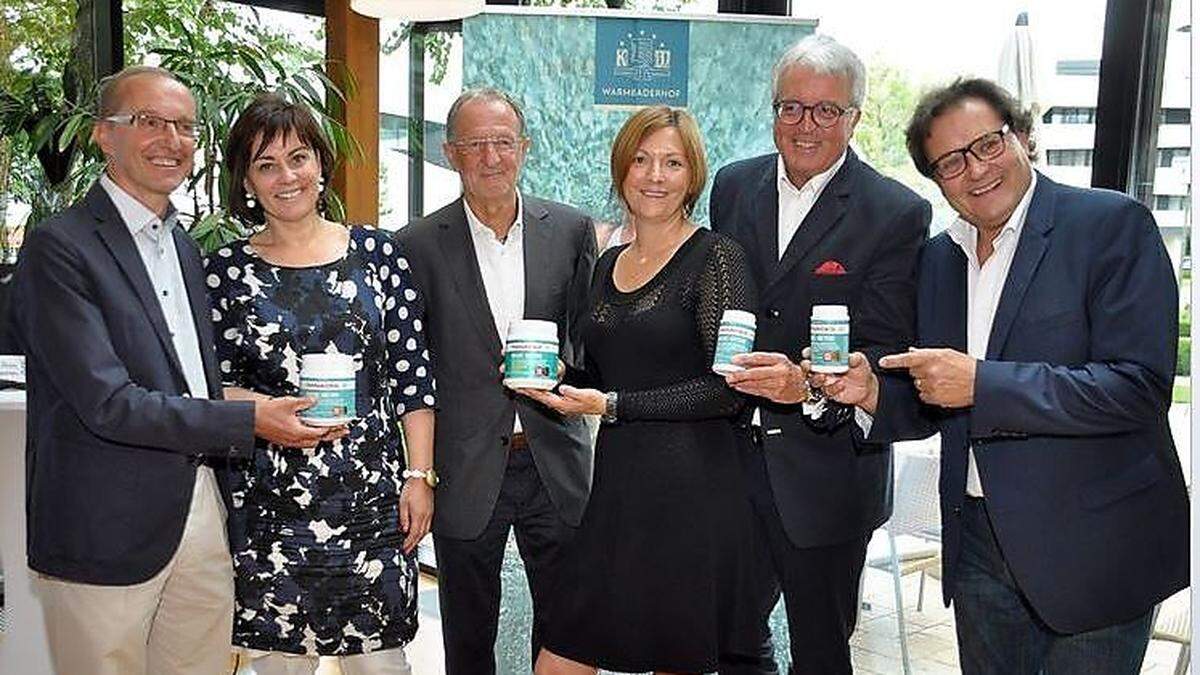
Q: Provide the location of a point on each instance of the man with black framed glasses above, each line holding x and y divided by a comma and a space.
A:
820, 226
1046, 359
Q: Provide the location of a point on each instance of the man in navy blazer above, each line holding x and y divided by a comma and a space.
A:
820, 226
125, 523
1047, 325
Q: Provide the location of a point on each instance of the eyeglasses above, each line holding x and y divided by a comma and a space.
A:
953, 163
504, 145
156, 124
825, 114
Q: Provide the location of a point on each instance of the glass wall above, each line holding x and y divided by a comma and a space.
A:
442, 67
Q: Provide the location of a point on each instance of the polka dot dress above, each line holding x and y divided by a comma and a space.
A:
315, 533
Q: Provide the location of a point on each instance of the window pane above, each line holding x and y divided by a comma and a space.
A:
1064, 40
1171, 204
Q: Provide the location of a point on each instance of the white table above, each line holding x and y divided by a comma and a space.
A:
23, 646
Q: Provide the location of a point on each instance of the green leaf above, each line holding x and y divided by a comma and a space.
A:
329, 84
250, 61
69, 129
314, 97
43, 131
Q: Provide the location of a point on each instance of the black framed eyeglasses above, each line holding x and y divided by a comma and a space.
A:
156, 123
986, 147
825, 114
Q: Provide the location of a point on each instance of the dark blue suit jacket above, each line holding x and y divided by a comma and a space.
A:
112, 436
1069, 424
829, 486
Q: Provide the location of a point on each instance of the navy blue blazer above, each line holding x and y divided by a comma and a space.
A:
112, 437
829, 486
1069, 425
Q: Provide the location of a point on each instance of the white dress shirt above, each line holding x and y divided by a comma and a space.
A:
502, 266
984, 284
796, 202
156, 246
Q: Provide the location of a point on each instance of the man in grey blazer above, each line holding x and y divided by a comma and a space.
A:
504, 462
127, 435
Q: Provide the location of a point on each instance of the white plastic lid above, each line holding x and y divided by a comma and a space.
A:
738, 316
327, 365
533, 329
831, 312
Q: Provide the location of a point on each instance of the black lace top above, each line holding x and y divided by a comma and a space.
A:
707, 275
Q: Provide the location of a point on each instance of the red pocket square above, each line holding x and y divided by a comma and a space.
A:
829, 268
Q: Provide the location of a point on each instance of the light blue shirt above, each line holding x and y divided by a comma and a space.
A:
156, 246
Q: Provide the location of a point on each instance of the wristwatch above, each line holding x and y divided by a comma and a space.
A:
428, 475
610, 408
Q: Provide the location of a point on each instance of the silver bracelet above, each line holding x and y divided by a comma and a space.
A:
610, 408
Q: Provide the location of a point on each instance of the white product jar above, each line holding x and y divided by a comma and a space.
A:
531, 355
830, 338
329, 378
735, 336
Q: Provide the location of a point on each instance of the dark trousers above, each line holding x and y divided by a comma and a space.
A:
819, 585
998, 631
469, 570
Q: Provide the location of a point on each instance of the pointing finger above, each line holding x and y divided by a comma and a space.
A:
896, 360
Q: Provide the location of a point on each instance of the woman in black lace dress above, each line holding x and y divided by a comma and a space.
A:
647, 582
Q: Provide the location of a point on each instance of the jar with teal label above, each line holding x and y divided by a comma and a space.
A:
830, 338
328, 378
531, 355
735, 336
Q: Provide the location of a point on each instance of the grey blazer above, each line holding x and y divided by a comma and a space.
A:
475, 411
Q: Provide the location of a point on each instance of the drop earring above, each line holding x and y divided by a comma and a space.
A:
250, 203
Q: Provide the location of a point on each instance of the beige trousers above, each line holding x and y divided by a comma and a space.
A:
384, 662
178, 623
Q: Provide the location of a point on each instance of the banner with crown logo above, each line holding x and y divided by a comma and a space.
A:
641, 62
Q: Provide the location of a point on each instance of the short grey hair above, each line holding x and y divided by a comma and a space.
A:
109, 99
822, 54
483, 94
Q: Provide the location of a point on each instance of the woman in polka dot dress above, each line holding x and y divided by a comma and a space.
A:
322, 538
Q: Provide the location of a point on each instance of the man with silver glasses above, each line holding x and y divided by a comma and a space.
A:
820, 226
506, 463
1047, 333
127, 437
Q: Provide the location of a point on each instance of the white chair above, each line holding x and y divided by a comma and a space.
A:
1173, 623
910, 541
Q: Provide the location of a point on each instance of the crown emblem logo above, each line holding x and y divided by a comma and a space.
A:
642, 57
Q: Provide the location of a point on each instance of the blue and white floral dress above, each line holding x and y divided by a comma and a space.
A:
315, 533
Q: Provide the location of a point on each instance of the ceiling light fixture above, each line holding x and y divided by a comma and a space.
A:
418, 10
